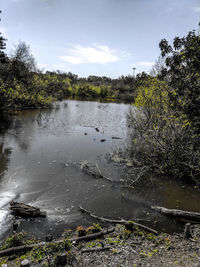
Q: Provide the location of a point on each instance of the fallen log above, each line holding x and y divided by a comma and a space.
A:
24, 210
25, 248
144, 227
15, 250
187, 215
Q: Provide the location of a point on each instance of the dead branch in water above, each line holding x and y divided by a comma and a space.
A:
101, 173
93, 170
188, 215
144, 227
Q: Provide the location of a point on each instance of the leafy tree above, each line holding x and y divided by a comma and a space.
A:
3, 70
22, 64
158, 66
163, 140
2, 48
182, 72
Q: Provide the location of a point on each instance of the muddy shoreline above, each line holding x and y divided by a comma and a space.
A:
122, 247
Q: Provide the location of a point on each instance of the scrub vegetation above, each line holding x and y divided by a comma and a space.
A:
166, 127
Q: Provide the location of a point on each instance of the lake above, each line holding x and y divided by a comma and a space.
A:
40, 156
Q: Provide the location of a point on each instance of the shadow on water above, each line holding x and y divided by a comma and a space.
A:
40, 155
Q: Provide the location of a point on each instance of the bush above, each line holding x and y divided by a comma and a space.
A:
162, 138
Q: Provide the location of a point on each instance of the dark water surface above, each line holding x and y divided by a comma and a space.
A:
40, 152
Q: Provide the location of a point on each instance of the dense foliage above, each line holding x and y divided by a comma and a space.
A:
182, 72
16, 81
166, 137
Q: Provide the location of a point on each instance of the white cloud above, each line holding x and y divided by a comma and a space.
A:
100, 54
72, 59
196, 9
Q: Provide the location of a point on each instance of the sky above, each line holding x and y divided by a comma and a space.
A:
96, 37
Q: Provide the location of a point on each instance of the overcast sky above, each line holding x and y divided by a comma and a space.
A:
96, 37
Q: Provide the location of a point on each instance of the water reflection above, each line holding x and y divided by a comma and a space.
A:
4, 158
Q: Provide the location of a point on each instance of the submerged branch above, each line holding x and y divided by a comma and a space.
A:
122, 221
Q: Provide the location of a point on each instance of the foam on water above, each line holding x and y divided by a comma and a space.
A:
6, 197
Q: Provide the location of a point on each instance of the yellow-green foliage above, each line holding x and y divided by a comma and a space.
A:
95, 228
153, 97
52, 84
14, 240
163, 138
87, 90
18, 96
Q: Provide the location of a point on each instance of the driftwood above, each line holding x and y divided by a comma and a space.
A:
181, 214
24, 210
144, 227
95, 249
25, 248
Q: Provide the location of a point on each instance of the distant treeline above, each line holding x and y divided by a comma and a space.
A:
63, 85
22, 85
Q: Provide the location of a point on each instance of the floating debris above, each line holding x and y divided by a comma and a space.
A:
24, 210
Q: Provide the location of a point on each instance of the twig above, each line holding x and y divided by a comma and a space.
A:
92, 236
95, 249
101, 173
122, 221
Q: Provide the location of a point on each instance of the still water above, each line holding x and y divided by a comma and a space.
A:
40, 155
